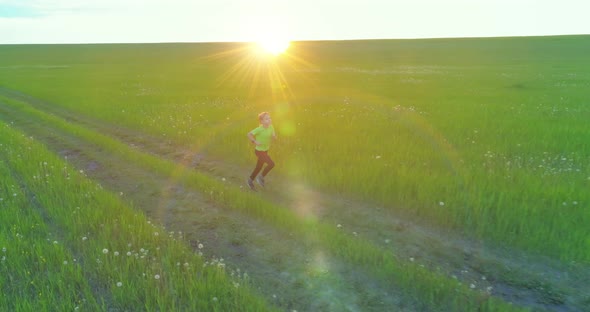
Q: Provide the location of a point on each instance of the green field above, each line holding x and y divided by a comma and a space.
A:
380, 141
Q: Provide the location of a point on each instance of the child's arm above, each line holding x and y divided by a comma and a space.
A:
252, 138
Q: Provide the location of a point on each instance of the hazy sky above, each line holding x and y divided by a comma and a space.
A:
89, 21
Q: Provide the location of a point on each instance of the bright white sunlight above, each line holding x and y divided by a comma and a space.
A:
273, 46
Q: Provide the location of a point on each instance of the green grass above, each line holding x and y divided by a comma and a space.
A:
427, 289
487, 137
495, 128
67, 245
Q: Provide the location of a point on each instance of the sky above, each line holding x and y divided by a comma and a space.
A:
131, 21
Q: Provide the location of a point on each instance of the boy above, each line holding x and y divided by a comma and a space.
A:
261, 137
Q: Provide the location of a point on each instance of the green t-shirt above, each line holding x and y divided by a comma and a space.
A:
263, 136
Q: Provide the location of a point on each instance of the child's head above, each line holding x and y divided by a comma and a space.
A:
262, 115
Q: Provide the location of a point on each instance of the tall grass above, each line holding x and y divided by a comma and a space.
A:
428, 289
485, 136
68, 245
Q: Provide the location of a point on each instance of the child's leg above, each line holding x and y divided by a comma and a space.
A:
269, 164
259, 164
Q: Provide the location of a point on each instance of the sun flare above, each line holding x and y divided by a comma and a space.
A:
273, 46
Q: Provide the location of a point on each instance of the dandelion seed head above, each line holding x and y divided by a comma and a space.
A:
3, 249
65, 262
441, 203
157, 276
84, 238
119, 284
105, 251
200, 246
129, 253
339, 226
116, 253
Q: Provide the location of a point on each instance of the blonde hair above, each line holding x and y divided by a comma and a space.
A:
261, 115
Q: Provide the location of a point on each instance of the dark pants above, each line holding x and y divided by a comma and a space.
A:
262, 158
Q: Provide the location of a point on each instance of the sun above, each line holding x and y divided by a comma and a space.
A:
273, 46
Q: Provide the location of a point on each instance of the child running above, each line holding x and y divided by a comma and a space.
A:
261, 137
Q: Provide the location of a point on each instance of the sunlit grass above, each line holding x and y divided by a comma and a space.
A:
428, 289
69, 245
493, 128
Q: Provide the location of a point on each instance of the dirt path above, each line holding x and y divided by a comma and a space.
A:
293, 272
